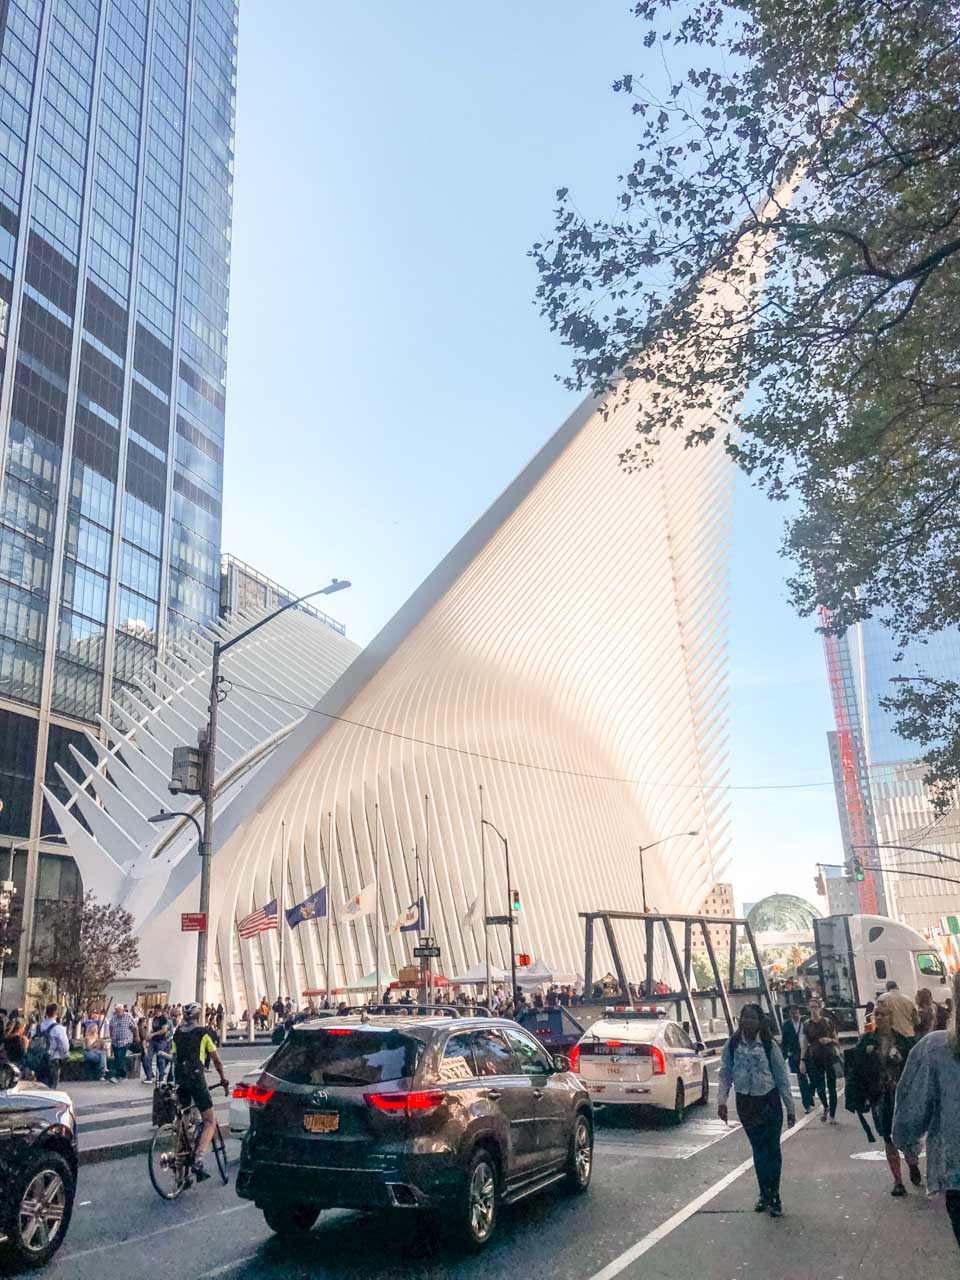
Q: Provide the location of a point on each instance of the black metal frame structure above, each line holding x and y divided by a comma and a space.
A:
684, 998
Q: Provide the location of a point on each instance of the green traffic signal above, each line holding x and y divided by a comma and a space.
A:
515, 899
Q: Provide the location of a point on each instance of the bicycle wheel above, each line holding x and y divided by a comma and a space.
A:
220, 1151
166, 1162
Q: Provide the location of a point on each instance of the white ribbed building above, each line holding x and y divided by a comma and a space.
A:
568, 654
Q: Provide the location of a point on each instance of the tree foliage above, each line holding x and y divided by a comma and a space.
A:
90, 943
851, 347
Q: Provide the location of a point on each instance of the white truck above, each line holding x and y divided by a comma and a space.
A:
858, 955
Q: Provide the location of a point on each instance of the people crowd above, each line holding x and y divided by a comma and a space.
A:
902, 1083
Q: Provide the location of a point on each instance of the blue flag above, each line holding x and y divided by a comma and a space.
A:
310, 909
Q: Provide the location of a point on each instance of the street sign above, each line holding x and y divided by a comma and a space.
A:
427, 953
499, 919
193, 922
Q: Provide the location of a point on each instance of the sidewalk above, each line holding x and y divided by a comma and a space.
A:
840, 1221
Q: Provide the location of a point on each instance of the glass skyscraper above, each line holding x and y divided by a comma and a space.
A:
883, 780
116, 189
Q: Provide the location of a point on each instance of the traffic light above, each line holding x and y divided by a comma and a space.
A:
858, 872
819, 885
523, 959
514, 899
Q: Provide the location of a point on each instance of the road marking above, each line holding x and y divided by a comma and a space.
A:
173, 1226
654, 1237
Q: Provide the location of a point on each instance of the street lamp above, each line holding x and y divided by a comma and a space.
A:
166, 816
207, 788
643, 849
485, 822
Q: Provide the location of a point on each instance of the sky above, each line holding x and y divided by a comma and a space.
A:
389, 374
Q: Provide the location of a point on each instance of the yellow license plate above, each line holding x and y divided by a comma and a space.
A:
321, 1121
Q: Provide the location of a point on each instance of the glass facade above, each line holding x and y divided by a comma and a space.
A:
116, 191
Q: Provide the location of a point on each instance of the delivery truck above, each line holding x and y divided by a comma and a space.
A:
858, 955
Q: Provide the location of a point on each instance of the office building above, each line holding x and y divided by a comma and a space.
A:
881, 796
244, 589
116, 177
718, 902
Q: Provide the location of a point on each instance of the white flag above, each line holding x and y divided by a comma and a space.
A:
470, 919
363, 904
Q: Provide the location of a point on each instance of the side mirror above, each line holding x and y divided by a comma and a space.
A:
700, 1046
561, 1062
9, 1075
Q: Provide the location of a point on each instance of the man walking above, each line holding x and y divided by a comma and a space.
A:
123, 1032
792, 1032
903, 1012
58, 1046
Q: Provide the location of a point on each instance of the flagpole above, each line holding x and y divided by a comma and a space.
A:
280, 917
486, 931
329, 905
376, 877
426, 821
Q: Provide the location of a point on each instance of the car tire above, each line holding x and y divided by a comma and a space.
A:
679, 1105
580, 1159
290, 1220
704, 1089
477, 1206
41, 1203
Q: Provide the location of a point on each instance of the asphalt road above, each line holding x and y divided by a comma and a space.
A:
644, 1172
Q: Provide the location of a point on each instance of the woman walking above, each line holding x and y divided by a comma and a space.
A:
877, 1064
928, 1102
753, 1065
818, 1049
926, 1013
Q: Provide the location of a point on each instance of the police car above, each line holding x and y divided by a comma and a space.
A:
640, 1057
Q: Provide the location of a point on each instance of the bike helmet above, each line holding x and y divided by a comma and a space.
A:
192, 1011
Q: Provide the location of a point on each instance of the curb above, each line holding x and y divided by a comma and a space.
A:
115, 1151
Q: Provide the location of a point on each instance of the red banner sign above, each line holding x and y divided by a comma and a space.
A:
193, 922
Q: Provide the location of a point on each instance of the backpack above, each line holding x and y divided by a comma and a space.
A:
37, 1057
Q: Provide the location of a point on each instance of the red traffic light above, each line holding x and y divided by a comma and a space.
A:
523, 959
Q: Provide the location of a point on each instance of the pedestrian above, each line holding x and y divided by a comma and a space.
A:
792, 1032
158, 1045
928, 1102
49, 1047
876, 1065
926, 1013
752, 1064
123, 1034
902, 1010
819, 1046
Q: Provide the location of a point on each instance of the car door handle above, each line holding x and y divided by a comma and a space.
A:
493, 1094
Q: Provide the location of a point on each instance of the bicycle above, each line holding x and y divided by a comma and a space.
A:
173, 1150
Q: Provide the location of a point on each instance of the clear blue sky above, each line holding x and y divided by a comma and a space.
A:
388, 372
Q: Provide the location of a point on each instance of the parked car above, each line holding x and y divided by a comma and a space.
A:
633, 1057
38, 1170
556, 1028
450, 1114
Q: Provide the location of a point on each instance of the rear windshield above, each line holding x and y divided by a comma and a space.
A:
644, 1032
348, 1058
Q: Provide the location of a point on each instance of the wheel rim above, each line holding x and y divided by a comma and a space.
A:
582, 1152
483, 1195
42, 1211
168, 1162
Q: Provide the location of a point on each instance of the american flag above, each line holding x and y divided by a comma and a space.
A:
259, 921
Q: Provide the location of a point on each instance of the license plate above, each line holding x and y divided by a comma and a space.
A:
321, 1121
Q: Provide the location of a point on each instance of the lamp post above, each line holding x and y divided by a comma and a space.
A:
510, 921
643, 849
207, 789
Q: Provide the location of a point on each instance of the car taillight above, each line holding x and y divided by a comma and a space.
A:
242, 1091
257, 1096
659, 1061
402, 1101
575, 1057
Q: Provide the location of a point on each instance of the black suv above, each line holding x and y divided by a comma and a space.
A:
449, 1114
38, 1170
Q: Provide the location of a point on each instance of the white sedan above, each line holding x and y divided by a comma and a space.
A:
641, 1058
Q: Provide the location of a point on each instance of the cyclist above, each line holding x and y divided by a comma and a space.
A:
192, 1047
